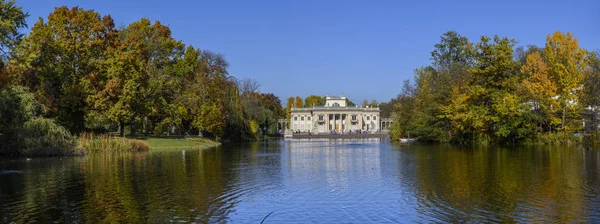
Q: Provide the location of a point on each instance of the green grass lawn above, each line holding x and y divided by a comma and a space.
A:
187, 143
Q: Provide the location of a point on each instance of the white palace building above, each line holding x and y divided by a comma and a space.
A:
336, 116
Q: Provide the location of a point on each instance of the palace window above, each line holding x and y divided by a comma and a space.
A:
295, 118
336, 105
374, 117
302, 118
353, 117
308, 118
320, 117
368, 118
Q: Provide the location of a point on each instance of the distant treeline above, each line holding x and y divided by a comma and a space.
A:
491, 92
89, 75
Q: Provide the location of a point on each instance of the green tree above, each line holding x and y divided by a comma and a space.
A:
17, 106
350, 103
591, 89
374, 103
272, 103
453, 50
431, 92
23, 130
141, 75
404, 111
192, 95
488, 108
12, 18
64, 57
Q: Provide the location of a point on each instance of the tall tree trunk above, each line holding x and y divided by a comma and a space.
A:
153, 127
563, 117
145, 128
594, 125
132, 125
121, 128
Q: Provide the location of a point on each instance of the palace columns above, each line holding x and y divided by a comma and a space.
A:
348, 123
327, 122
334, 122
360, 119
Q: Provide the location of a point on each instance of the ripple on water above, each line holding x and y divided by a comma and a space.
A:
308, 182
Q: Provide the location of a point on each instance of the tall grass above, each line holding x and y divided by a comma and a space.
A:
89, 142
558, 139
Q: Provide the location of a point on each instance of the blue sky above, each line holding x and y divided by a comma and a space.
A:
363, 49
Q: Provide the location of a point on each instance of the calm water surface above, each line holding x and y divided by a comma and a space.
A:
304, 181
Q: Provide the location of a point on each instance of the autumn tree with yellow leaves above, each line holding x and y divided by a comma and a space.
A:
487, 92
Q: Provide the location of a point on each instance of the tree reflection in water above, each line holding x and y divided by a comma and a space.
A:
351, 181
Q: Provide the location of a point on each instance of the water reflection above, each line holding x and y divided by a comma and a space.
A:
507, 185
299, 181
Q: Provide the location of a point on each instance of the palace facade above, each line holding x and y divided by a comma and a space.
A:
335, 115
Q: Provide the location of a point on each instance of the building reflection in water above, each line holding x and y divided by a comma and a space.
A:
314, 181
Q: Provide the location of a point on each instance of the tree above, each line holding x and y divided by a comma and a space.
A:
521, 53
141, 75
272, 103
386, 109
64, 57
192, 95
23, 130
591, 89
17, 106
12, 18
374, 103
540, 89
431, 91
298, 102
350, 103
211, 120
248, 86
488, 108
273, 110
288, 107
314, 100
404, 111
452, 51
489, 92
566, 64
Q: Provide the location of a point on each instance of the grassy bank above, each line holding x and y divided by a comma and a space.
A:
91, 143
106, 143
183, 143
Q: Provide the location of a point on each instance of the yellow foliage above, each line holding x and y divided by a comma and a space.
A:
566, 66
253, 126
539, 85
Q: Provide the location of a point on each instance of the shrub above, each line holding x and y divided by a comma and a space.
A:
41, 137
105, 143
17, 106
24, 133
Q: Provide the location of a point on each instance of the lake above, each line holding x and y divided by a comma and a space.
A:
307, 181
